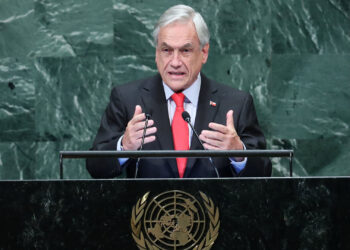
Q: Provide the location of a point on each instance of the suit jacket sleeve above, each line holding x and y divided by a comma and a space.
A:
253, 138
112, 127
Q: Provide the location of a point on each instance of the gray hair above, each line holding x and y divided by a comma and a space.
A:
183, 13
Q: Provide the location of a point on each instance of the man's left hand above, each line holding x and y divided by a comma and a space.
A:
222, 137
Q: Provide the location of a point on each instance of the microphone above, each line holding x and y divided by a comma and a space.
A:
187, 118
148, 116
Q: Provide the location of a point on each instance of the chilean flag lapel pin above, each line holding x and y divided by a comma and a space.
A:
213, 104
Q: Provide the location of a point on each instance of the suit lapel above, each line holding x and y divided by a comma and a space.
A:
154, 103
206, 112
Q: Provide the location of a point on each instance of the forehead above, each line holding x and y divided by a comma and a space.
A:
178, 34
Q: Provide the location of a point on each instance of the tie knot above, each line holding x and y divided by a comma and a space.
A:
178, 98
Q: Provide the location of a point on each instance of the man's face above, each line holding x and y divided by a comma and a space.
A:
179, 56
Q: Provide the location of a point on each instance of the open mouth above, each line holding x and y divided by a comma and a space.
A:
176, 74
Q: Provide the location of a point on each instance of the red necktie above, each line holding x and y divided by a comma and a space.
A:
180, 131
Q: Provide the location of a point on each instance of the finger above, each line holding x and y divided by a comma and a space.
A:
210, 147
141, 119
138, 110
150, 123
141, 125
229, 120
151, 131
211, 141
138, 115
136, 119
149, 139
205, 146
139, 134
218, 127
214, 135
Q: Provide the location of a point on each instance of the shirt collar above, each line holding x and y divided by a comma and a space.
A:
191, 93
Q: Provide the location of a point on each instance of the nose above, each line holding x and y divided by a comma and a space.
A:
176, 60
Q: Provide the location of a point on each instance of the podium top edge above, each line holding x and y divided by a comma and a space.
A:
177, 153
299, 178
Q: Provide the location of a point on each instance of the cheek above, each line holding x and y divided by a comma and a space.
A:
166, 63
158, 58
161, 62
193, 65
188, 63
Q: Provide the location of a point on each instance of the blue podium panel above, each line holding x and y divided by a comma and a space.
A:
250, 213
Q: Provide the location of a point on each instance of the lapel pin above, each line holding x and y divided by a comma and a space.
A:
213, 104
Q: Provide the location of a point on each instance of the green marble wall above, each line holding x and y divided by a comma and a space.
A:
60, 59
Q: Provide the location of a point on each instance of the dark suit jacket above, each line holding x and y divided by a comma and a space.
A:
149, 93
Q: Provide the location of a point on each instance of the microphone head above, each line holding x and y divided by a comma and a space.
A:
148, 116
186, 116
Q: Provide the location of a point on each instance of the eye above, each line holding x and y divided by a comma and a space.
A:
165, 48
166, 51
186, 51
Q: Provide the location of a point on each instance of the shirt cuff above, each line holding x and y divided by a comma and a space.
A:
120, 148
239, 165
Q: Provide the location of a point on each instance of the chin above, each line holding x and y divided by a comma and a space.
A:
177, 86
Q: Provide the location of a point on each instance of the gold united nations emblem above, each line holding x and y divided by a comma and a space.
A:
175, 220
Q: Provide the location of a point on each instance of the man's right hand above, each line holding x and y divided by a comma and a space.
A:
134, 131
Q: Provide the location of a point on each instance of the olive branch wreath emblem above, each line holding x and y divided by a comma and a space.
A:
205, 244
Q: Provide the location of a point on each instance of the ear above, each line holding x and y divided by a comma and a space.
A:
205, 53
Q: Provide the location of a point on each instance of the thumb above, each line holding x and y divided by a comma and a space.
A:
138, 110
229, 119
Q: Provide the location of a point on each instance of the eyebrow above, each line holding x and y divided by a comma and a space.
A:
187, 45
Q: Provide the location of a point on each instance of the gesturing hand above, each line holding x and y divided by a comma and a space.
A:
222, 137
134, 131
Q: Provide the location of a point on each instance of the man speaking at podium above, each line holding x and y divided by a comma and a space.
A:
224, 117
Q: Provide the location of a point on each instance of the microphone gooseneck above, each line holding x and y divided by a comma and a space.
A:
187, 118
144, 130
148, 116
